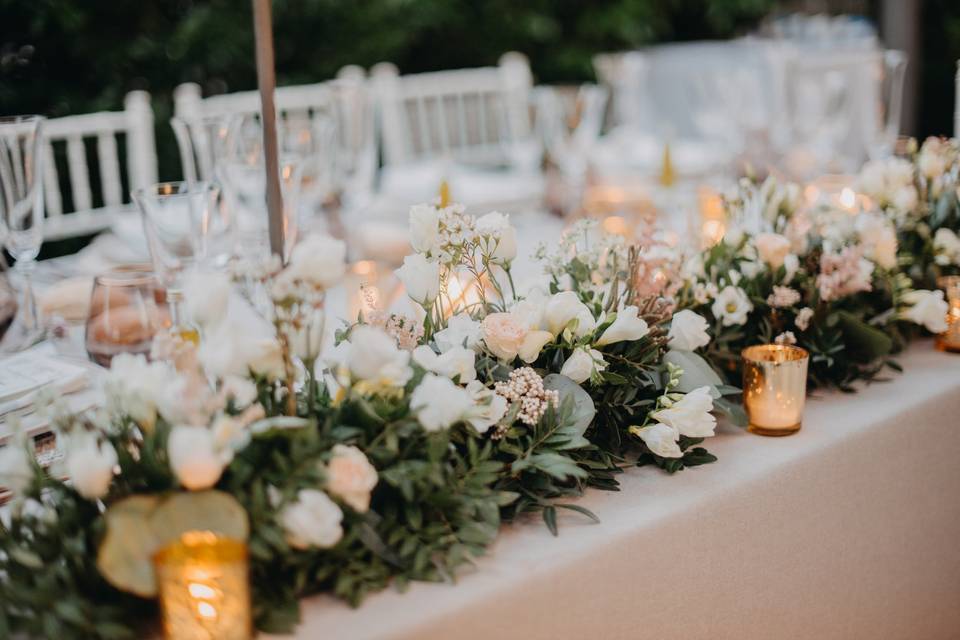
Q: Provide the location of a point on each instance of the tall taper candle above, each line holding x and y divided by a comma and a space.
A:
267, 82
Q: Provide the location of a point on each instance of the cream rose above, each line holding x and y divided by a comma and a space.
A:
351, 477
313, 520
772, 249
507, 336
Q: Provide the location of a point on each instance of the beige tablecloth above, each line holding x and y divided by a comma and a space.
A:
848, 529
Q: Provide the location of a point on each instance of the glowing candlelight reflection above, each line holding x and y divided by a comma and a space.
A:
774, 388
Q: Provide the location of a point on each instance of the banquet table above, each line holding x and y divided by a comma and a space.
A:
848, 529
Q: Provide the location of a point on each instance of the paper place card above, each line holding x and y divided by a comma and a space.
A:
29, 371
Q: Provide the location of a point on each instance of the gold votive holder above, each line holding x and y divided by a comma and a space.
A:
204, 588
774, 388
949, 340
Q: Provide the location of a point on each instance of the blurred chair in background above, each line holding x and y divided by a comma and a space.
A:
94, 202
471, 127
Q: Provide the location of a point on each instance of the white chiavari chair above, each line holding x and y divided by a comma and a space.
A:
464, 121
93, 204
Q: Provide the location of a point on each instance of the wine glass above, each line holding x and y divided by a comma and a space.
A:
125, 314
884, 127
177, 218
355, 151
21, 218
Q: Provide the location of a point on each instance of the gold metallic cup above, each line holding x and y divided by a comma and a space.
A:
949, 340
204, 588
774, 388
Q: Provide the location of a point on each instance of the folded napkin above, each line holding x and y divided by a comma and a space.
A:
69, 299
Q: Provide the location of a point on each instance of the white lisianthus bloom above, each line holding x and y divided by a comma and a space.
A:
946, 245
690, 415
488, 407
229, 350
507, 336
732, 306
628, 325
688, 331
194, 458
461, 331
661, 439
306, 342
497, 232
927, 308
905, 198
565, 308
16, 472
90, 464
373, 357
424, 228
421, 278
351, 477
318, 260
439, 403
137, 388
457, 362
582, 363
313, 520
772, 249
206, 296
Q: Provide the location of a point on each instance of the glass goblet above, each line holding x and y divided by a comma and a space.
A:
21, 219
125, 314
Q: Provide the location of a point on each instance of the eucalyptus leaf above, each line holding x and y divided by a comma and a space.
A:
696, 372
584, 409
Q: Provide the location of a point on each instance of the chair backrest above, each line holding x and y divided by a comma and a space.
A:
475, 114
89, 209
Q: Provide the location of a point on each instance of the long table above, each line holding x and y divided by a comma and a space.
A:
848, 529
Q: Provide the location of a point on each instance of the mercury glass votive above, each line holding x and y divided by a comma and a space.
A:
204, 588
774, 388
949, 340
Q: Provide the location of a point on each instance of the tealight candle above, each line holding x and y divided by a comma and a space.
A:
949, 340
774, 388
204, 588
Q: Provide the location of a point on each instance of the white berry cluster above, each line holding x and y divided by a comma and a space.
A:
525, 387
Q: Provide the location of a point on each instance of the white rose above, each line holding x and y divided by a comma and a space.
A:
206, 296
318, 260
582, 363
507, 336
193, 457
461, 331
497, 231
688, 331
424, 228
905, 198
90, 464
351, 477
16, 472
927, 308
421, 278
690, 415
313, 520
628, 325
457, 362
772, 249
373, 356
564, 308
306, 342
732, 306
661, 439
439, 403
488, 407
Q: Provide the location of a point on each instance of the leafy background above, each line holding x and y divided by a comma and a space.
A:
61, 57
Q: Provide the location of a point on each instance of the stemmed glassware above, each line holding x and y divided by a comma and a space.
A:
21, 218
178, 218
354, 151
882, 138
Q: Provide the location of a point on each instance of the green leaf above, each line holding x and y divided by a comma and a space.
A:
864, 342
583, 407
696, 372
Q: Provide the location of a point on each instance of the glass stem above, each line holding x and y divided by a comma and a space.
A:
28, 312
174, 300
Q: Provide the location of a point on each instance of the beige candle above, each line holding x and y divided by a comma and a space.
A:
204, 588
774, 388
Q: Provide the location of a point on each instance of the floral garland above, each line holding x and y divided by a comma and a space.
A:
395, 461
812, 275
920, 193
